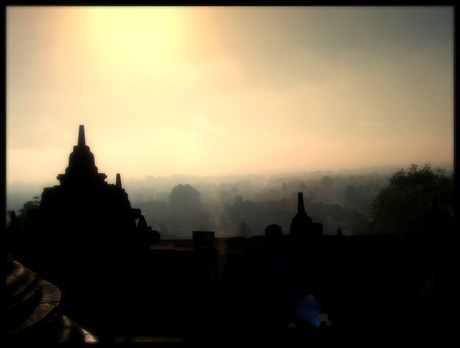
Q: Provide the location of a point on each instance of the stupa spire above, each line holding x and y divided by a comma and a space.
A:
81, 166
300, 204
81, 136
118, 181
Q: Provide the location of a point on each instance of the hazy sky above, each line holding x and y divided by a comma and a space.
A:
228, 90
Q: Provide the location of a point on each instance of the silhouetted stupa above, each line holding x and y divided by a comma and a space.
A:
82, 169
84, 201
84, 220
302, 225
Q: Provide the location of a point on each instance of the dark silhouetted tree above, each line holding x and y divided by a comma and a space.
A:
21, 217
327, 182
406, 205
184, 198
186, 210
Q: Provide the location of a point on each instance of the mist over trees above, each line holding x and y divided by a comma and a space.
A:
357, 203
414, 200
245, 205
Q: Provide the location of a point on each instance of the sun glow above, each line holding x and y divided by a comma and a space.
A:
144, 38
210, 90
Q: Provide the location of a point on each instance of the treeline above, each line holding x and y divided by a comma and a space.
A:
245, 207
379, 202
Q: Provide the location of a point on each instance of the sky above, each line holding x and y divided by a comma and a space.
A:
227, 90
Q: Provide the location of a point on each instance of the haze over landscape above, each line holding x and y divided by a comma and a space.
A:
248, 175
227, 90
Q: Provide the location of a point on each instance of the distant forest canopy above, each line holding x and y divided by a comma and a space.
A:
245, 205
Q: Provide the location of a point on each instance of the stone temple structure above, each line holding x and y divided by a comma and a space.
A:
84, 209
85, 235
302, 226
